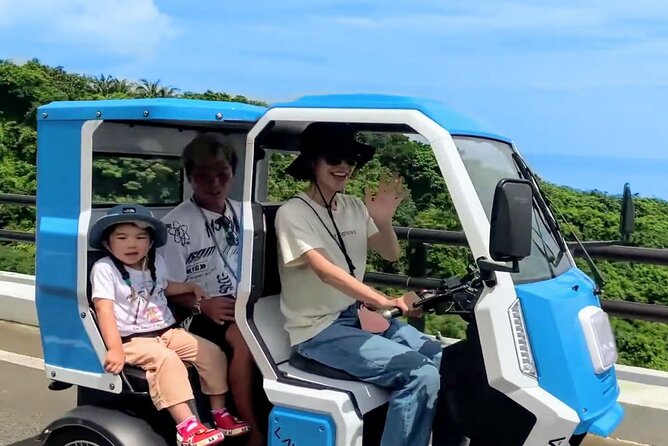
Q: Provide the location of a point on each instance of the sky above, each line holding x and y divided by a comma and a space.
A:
580, 86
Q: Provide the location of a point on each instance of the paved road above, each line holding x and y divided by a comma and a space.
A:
27, 405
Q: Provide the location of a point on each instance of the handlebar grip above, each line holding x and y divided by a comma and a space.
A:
389, 314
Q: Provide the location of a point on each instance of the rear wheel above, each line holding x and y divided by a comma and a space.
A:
76, 437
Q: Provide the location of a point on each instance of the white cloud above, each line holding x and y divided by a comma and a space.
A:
122, 27
584, 17
544, 44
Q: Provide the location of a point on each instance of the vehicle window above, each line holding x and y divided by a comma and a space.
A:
489, 161
151, 181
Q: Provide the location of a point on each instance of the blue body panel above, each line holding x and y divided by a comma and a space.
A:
291, 427
162, 109
454, 122
562, 359
64, 340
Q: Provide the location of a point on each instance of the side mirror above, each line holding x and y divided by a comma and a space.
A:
417, 259
627, 220
512, 212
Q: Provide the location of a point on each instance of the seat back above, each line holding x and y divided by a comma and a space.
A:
267, 316
271, 281
92, 256
268, 322
134, 378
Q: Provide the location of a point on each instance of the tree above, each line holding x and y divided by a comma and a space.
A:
592, 215
148, 89
106, 86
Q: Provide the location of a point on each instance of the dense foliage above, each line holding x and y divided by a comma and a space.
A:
592, 215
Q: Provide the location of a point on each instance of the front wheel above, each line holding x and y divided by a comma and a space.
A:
576, 440
76, 436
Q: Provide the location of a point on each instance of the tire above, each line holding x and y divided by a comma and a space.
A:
76, 436
576, 440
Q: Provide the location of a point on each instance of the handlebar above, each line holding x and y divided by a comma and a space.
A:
389, 314
461, 294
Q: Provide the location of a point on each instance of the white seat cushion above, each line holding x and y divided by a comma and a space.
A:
270, 322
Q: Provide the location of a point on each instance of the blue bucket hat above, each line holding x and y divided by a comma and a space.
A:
127, 213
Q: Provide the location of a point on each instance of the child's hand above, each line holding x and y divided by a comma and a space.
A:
114, 361
199, 292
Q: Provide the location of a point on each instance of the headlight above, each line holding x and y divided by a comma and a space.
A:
600, 339
522, 345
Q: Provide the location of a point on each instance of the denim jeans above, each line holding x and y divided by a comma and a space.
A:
402, 360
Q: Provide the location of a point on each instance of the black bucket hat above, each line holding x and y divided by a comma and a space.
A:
327, 137
127, 213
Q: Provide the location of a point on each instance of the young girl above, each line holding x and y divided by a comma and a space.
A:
129, 289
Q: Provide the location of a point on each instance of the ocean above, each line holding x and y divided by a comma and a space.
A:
647, 177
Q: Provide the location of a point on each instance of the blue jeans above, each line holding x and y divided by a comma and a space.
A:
402, 360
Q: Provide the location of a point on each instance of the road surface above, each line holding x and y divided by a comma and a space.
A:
27, 405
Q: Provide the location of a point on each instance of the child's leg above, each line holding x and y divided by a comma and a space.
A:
169, 388
180, 412
165, 372
211, 365
208, 359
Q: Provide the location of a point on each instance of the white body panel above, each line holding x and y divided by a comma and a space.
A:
554, 418
335, 404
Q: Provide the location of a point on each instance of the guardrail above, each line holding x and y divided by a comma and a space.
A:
17, 236
619, 308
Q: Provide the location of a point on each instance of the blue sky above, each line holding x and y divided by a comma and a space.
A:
581, 86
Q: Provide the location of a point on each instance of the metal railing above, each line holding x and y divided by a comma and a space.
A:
17, 236
619, 308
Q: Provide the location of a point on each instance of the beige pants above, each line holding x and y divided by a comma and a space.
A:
162, 357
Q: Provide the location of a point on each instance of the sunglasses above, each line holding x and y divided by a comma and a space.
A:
336, 158
231, 236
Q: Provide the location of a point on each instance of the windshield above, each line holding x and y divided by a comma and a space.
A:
488, 161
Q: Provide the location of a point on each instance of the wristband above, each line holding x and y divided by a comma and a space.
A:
197, 309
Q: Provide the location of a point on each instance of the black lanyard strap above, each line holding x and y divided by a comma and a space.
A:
235, 224
338, 239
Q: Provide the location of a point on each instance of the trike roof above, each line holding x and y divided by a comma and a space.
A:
167, 109
454, 122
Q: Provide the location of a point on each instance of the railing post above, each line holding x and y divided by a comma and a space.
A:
417, 267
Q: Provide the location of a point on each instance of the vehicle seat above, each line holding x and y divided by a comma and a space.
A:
272, 286
134, 378
268, 321
309, 365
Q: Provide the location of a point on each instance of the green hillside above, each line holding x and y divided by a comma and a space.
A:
594, 216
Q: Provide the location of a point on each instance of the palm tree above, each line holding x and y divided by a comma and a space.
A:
168, 92
123, 86
148, 89
104, 85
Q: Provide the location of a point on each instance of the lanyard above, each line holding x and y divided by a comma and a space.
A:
337, 239
235, 224
134, 295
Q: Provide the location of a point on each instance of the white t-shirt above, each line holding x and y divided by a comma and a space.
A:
308, 304
138, 311
191, 254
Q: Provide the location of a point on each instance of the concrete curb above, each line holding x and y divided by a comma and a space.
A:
17, 298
